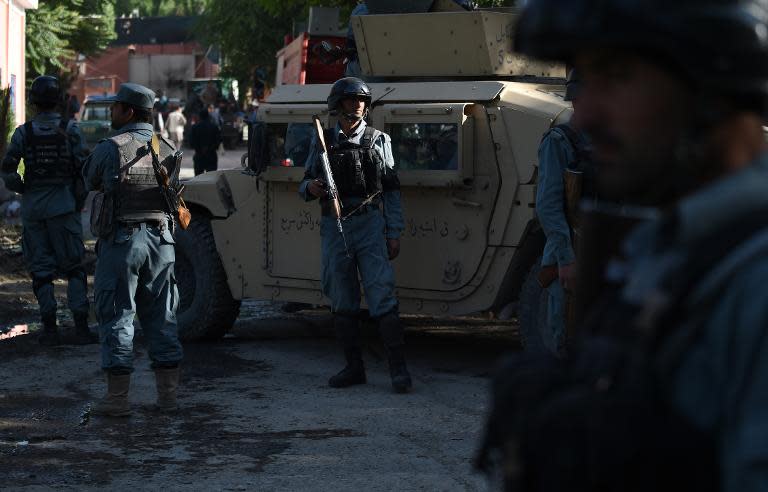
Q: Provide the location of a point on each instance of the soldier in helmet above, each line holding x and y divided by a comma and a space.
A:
53, 195
134, 273
670, 388
363, 170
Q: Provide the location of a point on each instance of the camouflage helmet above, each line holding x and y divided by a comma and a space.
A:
720, 46
348, 87
45, 91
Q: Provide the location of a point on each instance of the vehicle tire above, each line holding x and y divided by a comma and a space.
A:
206, 307
532, 314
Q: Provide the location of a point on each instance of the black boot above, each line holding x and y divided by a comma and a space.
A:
401, 378
391, 331
348, 333
50, 335
83, 335
353, 373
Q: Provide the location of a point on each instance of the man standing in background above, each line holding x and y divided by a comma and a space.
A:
53, 195
205, 138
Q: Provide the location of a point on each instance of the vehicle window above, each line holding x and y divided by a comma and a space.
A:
287, 144
96, 112
425, 146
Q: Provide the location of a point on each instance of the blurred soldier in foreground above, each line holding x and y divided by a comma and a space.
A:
563, 150
134, 273
205, 138
669, 391
362, 168
53, 195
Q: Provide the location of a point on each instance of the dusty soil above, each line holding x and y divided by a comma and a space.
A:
17, 302
14, 294
256, 413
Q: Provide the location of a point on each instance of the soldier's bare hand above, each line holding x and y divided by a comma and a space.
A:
316, 188
393, 248
567, 274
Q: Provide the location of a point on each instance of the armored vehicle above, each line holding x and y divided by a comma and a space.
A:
95, 120
466, 116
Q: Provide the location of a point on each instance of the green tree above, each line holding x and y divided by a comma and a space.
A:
60, 29
247, 34
154, 8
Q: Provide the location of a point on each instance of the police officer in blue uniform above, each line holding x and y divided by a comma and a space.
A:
562, 148
135, 269
52, 197
363, 170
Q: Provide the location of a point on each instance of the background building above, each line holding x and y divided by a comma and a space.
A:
158, 52
12, 49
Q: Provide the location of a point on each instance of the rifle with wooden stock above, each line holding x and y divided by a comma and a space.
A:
172, 196
332, 199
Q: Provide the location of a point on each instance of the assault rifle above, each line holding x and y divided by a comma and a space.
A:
172, 196
332, 199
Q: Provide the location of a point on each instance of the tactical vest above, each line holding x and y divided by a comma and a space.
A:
356, 168
582, 160
138, 195
48, 159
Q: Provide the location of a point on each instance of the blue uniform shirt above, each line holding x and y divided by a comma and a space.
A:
393, 210
102, 169
721, 385
44, 202
555, 154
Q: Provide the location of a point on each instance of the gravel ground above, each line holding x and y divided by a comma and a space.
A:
256, 413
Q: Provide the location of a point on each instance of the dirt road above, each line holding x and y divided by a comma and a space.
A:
256, 414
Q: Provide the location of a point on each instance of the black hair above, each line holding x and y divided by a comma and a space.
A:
140, 115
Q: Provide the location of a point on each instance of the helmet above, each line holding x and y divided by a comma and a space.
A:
45, 91
720, 46
348, 87
572, 85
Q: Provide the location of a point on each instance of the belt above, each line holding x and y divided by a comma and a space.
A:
134, 224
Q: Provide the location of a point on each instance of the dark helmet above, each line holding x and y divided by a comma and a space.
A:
720, 46
348, 87
45, 91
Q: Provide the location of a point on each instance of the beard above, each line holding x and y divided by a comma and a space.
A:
653, 173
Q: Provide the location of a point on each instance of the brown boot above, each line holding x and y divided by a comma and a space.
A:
167, 381
115, 403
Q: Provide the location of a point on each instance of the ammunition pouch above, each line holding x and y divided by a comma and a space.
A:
102, 215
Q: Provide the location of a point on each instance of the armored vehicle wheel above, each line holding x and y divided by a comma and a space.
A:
532, 314
206, 308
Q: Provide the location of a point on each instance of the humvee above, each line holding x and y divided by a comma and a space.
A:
466, 116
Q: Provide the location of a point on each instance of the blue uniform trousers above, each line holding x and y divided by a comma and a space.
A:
134, 276
367, 256
51, 247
